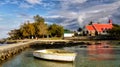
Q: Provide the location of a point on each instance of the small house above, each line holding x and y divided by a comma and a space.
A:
97, 28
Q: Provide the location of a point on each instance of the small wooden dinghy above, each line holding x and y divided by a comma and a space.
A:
55, 54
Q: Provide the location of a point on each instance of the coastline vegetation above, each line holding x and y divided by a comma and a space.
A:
37, 29
115, 31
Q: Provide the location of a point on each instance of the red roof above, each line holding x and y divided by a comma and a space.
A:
90, 27
102, 27
99, 27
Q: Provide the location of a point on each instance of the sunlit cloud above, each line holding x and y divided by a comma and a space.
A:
25, 5
34, 1
98, 13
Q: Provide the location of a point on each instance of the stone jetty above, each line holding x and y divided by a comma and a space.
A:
10, 50
7, 51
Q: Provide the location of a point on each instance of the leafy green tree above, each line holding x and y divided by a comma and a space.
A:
15, 34
41, 27
56, 30
24, 30
38, 18
67, 31
31, 29
36, 29
115, 31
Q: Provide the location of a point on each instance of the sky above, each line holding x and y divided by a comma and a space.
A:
71, 14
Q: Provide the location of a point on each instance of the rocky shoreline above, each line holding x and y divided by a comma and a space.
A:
10, 50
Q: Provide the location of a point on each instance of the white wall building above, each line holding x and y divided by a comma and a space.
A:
68, 34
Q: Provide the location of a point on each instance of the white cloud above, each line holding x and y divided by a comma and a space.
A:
70, 16
1, 19
66, 4
73, 1
65, 13
68, 22
34, 1
2, 3
4, 34
4, 31
54, 16
9, 2
98, 13
77, 1
49, 23
25, 5
81, 18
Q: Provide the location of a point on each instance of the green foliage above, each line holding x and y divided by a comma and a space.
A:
79, 29
27, 30
40, 26
15, 34
67, 31
56, 30
36, 29
38, 19
115, 31
116, 25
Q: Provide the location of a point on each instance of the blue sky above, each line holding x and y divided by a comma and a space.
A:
69, 13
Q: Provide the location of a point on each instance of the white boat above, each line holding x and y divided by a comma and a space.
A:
55, 54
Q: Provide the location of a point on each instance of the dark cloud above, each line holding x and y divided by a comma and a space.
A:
55, 20
116, 17
91, 10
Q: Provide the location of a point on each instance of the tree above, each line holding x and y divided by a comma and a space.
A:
31, 30
56, 30
91, 22
24, 29
41, 27
79, 29
115, 31
36, 29
15, 34
38, 18
28, 30
67, 31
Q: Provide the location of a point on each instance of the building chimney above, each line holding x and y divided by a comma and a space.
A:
110, 21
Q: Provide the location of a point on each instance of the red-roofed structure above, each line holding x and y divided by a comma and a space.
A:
97, 28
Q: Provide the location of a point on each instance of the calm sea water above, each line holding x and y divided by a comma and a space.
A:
93, 56
2, 44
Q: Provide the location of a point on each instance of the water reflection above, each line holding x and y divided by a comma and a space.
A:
44, 63
98, 55
100, 51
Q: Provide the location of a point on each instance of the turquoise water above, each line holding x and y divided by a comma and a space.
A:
93, 56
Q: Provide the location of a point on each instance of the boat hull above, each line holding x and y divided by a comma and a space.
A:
54, 56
